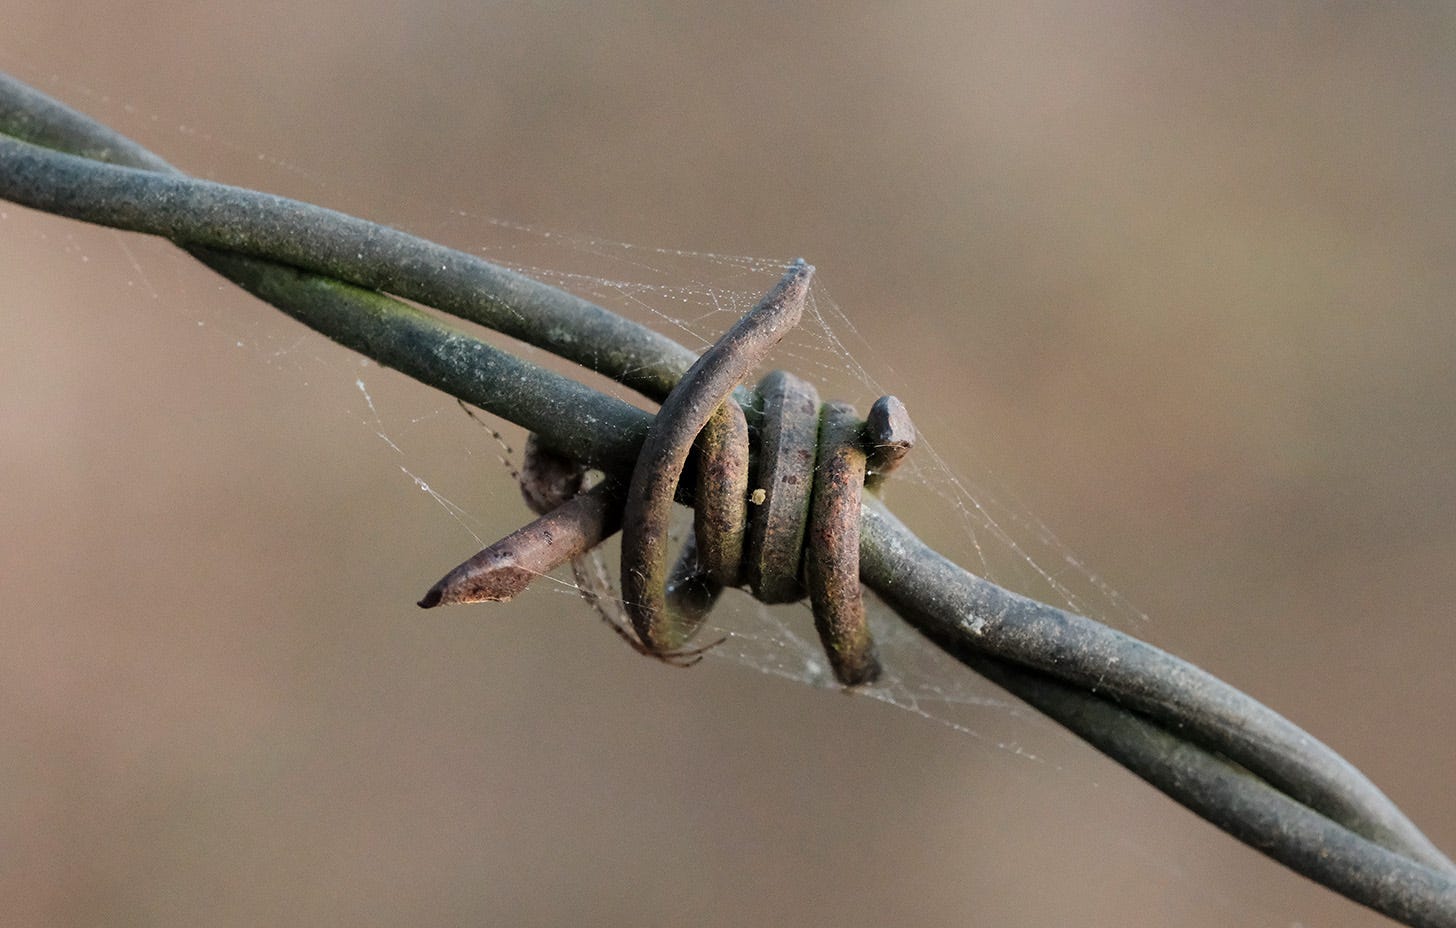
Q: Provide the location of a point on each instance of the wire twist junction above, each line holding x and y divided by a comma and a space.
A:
800, 535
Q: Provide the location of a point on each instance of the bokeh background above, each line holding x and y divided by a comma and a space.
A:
1176, 278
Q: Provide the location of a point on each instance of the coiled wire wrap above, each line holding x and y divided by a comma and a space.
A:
795, 436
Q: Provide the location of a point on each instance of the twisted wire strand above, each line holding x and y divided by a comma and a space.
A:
1224, 755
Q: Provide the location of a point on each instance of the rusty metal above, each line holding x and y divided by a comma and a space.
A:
686, 410
720, 511
888, 435
787, 447
548, 478
812, 465
503, 570
831, 548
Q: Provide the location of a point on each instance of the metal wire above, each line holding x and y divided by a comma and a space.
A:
1212, 748
664, 454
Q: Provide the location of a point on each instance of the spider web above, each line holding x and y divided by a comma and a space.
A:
458, 467
694, 296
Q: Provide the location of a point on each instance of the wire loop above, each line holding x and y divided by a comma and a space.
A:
666, 610
720, 515
686, 410
831, 549
787, 449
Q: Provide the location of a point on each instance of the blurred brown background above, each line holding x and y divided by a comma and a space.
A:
1180, 278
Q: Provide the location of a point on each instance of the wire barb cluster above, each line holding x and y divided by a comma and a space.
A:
1216, 750
800, 535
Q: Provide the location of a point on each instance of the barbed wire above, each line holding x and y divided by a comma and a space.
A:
1216, 750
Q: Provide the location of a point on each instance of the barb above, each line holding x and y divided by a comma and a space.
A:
687, 409
502, 571
1230, 759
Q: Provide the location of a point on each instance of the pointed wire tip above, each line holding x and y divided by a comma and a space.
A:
784, 302
489, 577
799, 270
